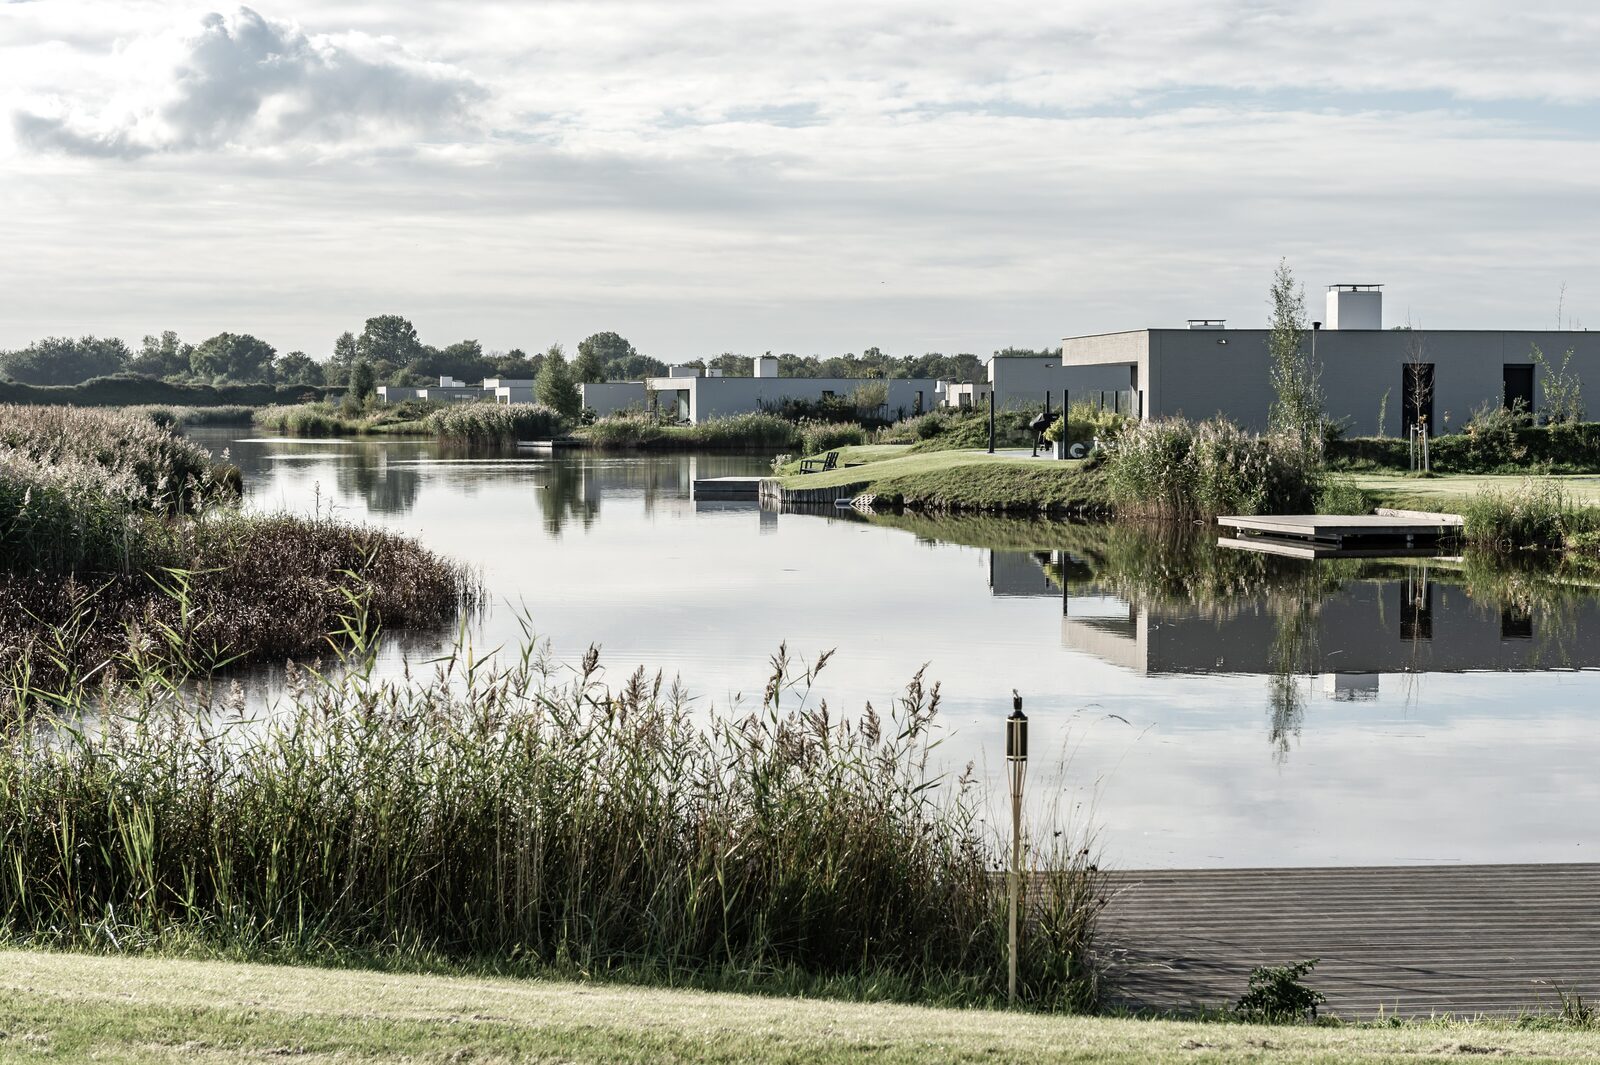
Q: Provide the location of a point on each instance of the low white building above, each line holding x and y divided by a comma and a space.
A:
692, 397
1029, 383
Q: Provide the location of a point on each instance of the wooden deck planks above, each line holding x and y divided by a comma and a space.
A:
1410, 940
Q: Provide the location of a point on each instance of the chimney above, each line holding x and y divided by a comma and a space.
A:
1355, 307
766, 366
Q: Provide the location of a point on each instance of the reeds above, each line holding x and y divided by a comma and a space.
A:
1537, 515
756, 431
523, 818
494, 422
1175, 469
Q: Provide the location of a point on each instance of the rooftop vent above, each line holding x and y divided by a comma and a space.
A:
1355, 307
1208, 323
766, 366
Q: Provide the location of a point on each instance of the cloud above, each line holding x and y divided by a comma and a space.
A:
250, 82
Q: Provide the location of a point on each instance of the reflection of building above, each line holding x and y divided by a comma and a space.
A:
1350, 635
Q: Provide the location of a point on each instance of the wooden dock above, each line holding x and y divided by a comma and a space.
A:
1385, 532
728, 488
1414, 941
560, 443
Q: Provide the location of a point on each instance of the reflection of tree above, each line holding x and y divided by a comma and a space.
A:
386, 489
570, 492
1294, 655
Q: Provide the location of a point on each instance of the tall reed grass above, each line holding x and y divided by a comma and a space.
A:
495, 422
1539, 514
1176, 469
523, 818
757, 431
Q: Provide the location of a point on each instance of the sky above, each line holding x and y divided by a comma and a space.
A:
706, 176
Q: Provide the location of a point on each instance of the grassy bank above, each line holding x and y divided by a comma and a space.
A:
118, 540
521, 818
740, 432
960, 481
114, 1009
474, 423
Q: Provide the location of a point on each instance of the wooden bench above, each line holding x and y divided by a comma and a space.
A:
822, 465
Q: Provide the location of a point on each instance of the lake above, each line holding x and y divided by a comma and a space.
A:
1194, 706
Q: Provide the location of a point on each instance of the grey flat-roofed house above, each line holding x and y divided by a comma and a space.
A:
1441, 375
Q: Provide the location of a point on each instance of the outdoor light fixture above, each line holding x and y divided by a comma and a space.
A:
1017, 771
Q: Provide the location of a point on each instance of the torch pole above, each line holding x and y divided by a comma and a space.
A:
1016, 771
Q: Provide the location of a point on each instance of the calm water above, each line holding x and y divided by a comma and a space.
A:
1212, 710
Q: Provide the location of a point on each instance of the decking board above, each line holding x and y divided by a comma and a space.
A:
1412, 941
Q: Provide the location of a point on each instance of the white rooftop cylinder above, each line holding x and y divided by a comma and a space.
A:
1355, 307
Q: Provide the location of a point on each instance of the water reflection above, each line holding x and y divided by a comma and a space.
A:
1448, 701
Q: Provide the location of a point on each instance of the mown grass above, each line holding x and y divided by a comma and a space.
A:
523, 817
66, 1007
960, 481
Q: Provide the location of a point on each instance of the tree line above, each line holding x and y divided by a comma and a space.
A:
389, 351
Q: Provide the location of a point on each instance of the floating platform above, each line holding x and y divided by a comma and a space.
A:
560, 443
1385, 533
728, 488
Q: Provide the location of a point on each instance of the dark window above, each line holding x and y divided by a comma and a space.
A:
1416, 385
1519, 386
1416, 609
1516, 624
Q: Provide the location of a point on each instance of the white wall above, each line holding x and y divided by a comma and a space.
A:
1023, 383
714, 397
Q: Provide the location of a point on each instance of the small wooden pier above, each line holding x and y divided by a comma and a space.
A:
1385, 532
560, 443
728, 488
1464, 940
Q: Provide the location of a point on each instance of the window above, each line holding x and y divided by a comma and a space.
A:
1518, 378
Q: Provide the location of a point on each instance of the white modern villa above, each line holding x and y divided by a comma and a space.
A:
694, 396
1438, 376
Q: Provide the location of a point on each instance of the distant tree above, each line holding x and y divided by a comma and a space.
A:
297, 368
162, 356
234, 356
514, 364
1296, 380
555, 387
362, 385
64, 361
733, 365
596, 352
388, 338
1027, 353
463, 360
336, 371
634, 367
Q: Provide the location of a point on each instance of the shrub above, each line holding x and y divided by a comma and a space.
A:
817, 437
495, 422
1176, 469
1278, 993
305, 419
757, 431
492, 814
1538, 515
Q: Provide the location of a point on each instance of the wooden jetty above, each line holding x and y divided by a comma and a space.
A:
1467, 940
728, 488
1383, 533
560, 443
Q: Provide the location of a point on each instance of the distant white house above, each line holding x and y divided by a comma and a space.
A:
449, 390
692, 397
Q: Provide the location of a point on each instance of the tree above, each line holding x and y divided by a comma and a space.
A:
297, 368
337, 369
163, 356
1296, 380
595, 354
235, 356
555, 387
388, 338
635, 367
64, 361
733, 365
362, 385
1563, 387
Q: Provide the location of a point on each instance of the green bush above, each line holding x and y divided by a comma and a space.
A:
306, 419
817, 437
495, 422
128, 389
1176, 469
738, 432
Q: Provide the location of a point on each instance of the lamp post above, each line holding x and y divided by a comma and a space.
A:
991, 418
1017, 771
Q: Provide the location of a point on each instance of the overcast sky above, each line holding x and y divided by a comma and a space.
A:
704, 176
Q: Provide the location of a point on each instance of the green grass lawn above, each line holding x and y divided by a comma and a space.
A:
66, 1007
1447, 490
970, 480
